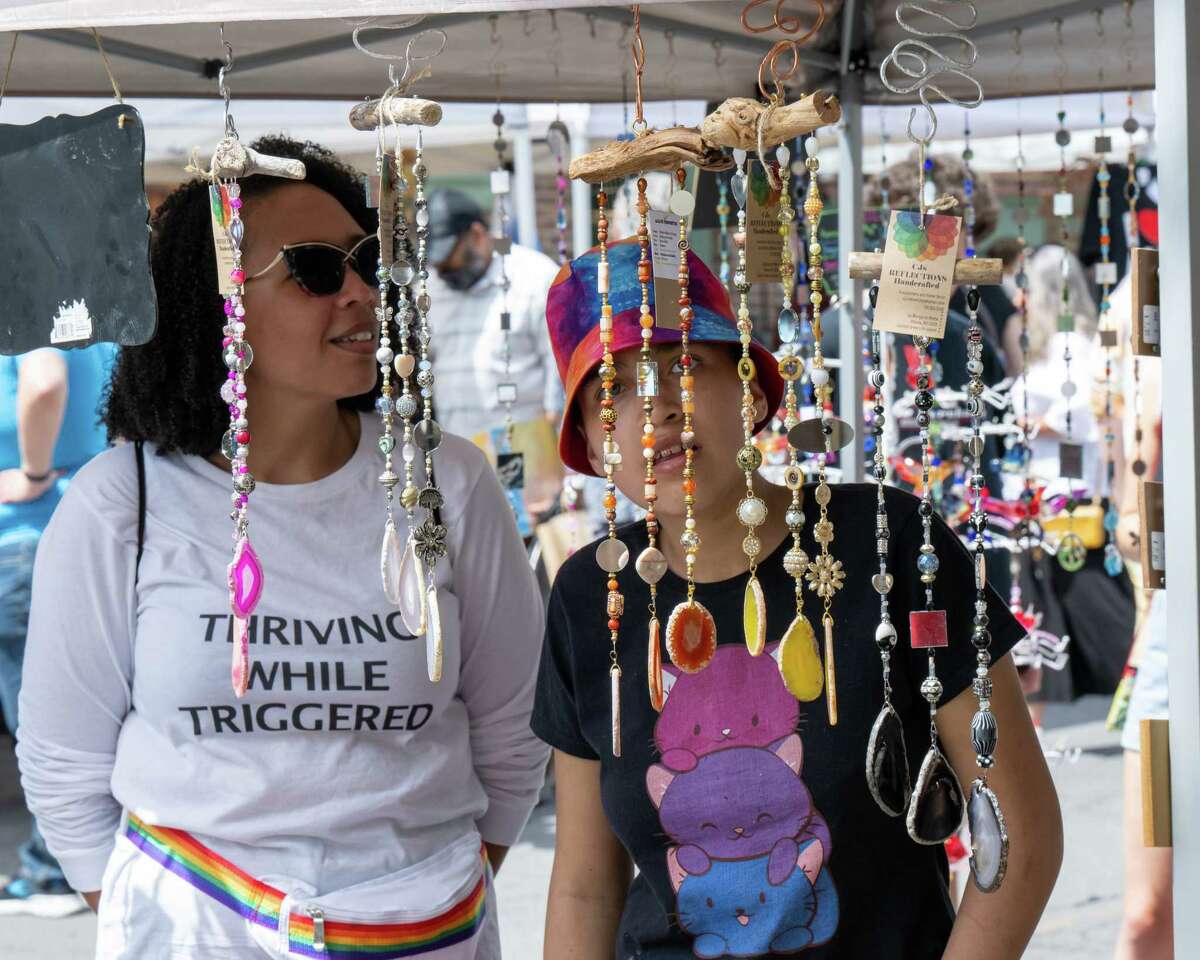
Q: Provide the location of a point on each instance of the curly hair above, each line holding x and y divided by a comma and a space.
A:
167, 391
948, 174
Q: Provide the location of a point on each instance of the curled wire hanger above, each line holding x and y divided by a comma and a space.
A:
226, 67
416, 60
918, 59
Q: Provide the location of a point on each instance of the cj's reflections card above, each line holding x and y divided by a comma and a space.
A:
918, 274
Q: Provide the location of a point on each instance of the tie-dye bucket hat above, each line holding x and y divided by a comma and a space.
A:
573, 318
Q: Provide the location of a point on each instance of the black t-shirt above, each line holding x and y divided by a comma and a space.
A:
725, 837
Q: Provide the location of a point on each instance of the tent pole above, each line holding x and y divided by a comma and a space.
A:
524, 202
1176, 36
850, 237
581, 193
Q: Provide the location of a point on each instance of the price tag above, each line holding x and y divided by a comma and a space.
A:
764, 245
664, 256
72, 323
222, 216
1151, 328
917, 276
1158, 550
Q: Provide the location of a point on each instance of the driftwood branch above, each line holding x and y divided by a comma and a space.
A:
659, 150
977, 270
234, 160
734, 123
407, 111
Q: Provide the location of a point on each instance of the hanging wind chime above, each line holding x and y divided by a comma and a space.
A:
1071, 552
232, 161
936, 806
408, 572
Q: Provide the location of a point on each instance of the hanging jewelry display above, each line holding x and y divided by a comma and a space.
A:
244, 577
723, 240
651, 565
989, 835
1133, 232
936, 808
612, 555
799, 658
822, 436
888, 776
430, 536
691, 629
1071, 552
407, 572
1106, 276
751, 510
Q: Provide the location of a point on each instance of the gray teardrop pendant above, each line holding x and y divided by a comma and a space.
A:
887, 763
989, 838
936, 809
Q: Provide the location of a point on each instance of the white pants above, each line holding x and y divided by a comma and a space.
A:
148, 913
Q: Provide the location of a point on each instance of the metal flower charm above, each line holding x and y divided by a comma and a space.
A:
823, 532
825, 576
430, 541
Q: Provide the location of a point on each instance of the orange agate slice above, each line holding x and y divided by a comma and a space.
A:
691, 636
654, 667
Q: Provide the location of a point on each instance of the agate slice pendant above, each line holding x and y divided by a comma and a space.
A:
887, 763
800, 662
691, 636
989, 838
754, 617
936, 810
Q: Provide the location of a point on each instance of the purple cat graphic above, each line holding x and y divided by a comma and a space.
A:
739, 804
737, 701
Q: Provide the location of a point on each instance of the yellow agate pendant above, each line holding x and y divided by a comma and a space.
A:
754, 617
799, 662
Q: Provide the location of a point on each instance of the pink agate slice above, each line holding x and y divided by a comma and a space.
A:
245, 579
241, 656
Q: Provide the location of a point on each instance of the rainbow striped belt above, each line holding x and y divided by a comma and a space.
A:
309, 934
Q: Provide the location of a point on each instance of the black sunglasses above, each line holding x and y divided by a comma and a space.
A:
319, 268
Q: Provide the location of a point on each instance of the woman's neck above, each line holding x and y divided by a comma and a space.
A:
721, 533
297, 442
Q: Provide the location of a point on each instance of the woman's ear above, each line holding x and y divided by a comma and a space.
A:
760, 401
595, 459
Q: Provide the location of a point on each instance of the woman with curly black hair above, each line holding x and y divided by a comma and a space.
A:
345, 805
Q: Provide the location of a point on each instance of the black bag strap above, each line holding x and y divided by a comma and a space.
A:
139, 451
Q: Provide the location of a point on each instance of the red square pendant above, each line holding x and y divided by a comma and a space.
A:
927, 628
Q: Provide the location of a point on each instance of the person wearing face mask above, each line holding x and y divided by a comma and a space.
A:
344, 805
469, 298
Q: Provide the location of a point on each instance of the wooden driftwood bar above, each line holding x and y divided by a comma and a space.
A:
977, 270
234, 160
734, 123
407, 111
658, 150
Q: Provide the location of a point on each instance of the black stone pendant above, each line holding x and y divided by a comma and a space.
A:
887, 763
989, 838
937, 806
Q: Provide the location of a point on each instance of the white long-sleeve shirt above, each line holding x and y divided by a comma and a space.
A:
342, 762
468, 346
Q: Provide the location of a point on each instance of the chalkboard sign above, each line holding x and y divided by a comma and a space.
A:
76, 243
873, 231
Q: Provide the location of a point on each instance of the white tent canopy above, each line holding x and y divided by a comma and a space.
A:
303, 50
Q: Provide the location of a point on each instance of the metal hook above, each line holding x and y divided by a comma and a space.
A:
1099, 12
1017, 41
495, 66
718, 54
591, 19
226, 67
527, 27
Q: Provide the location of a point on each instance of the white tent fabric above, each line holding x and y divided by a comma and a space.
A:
302, 49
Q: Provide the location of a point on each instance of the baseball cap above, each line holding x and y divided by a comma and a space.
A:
573, 319
451, 213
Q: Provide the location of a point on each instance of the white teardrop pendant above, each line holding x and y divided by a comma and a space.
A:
433, 635
390, 561
412, 589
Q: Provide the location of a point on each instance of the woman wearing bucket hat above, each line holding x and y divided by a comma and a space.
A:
746, 812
